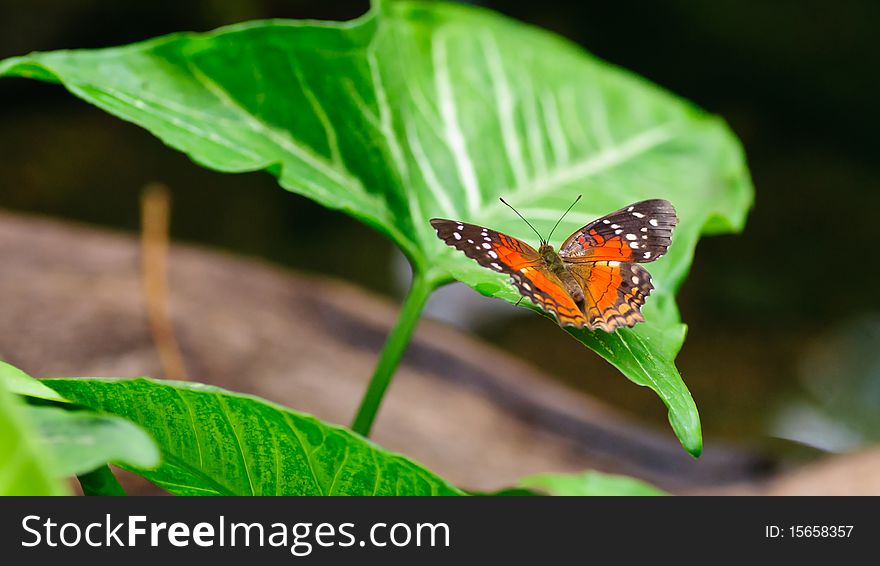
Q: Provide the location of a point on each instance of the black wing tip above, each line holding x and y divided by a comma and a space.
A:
656, 204
439, 223
659, 206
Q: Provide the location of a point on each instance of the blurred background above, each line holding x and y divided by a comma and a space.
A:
784, 321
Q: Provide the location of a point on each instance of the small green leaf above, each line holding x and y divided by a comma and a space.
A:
421, 110
20, 383
214, 442
24, 468
589, 483
100, 482
81, 441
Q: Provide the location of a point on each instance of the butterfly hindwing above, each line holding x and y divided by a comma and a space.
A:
614, 293
517, 259
546, 290
641, 233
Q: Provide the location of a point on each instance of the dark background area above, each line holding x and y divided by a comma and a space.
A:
783, 319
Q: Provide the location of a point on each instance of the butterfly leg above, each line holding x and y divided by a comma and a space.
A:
518, 302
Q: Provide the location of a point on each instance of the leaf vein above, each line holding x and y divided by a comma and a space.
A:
280, 139
505, 107
225, 412
454, 137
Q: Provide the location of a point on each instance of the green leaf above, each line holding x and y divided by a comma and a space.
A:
20, 383
100, 482
589, 483
82, 441
215, 442
419, 110
78, 441
24, 468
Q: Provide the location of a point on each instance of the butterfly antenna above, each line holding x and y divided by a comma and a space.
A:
543, 241
563, 216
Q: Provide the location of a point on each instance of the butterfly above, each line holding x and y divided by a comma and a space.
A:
594, 281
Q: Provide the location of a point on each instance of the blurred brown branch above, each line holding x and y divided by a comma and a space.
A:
155, 220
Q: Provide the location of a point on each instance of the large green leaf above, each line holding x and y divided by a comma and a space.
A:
426, 109
24, 468
214, 442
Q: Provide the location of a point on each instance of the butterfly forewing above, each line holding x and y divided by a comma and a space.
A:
641, 233
489, 248
517, 259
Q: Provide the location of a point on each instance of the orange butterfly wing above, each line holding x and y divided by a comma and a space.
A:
603, 257
517, 259
548, 293
614, 293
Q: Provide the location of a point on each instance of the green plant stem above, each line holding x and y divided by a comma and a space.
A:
100, 482
392, 352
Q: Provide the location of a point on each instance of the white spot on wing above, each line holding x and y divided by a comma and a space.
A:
652, 222
493, 255
630, 209
638, 215
619, 231
496, 266
631, 236
635, 280
647, 255
613, 264
487, 246
456, 235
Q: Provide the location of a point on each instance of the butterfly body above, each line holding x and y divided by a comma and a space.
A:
594, 280
554, 264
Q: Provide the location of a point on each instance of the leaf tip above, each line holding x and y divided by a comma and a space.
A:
688, 431
692, 442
